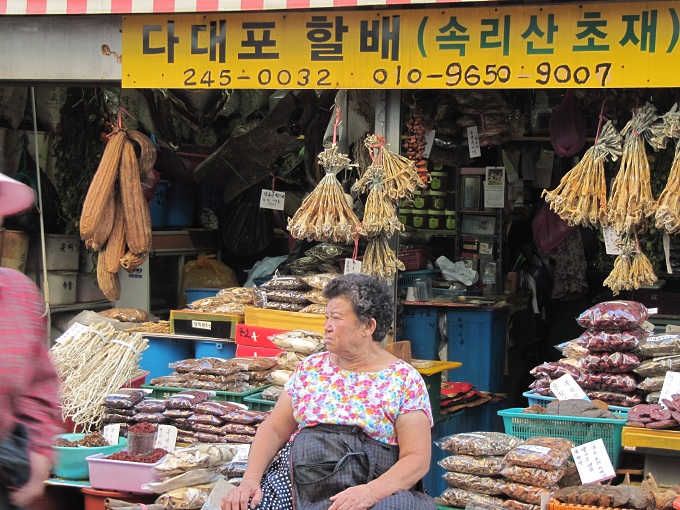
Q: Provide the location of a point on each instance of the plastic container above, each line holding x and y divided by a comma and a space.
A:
578, 429
435, 219
62, 285
405, 216
225, 396
419, 218
62, 253
95, 499
195, 293
216, 349
439, 181
14, 250
158, 206
419, 326
71, 462
414, 260
544, 400
476, 338
180, 201
257, 403
141, 444
119, 475
449, 219
406, 278
163, 351
436, 200
418, 200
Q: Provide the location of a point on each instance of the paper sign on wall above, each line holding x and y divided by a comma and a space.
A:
111, 433
270, 199
671, 386
352, 266
565, 388
473, 142
593, 462
166, 437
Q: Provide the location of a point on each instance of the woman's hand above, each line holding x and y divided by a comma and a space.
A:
359, 497
35, 487
244, 497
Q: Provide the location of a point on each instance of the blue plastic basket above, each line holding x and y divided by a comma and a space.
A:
543, 401
577, 429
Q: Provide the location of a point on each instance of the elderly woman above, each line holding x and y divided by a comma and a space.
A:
352, 428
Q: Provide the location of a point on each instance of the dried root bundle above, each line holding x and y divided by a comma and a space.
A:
668, 211
631, 202
325, 214
632, 269
380, 214
619, 278
581, 196
379, 259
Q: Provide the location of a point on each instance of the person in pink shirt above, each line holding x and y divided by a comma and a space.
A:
28, 382
351, 430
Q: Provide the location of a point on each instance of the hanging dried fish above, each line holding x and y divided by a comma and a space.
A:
325, 214
401, 177
632, 268
641, 271
581, 196
380, 213
668, 211
665, 127
631, 200
379, 259
619, 278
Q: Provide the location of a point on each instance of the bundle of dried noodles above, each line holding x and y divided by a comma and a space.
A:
380, 213
631, 200
325, 214
379, 259
581, 196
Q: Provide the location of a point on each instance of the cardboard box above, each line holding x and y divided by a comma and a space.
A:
256, 336
287, 321
248, 351
214, 325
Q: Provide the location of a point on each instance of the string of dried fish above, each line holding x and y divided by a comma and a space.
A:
581, 196
380, 213
325, 214
641, 271
667, 126
668, 212
631, 200
379, 259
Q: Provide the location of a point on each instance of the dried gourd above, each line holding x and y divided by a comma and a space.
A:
115, 246
109, 283
147, 151
581, 196
137, 215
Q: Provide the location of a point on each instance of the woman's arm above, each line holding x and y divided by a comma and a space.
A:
413, 433
271, 436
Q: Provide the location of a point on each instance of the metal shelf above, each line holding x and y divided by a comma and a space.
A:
80, 306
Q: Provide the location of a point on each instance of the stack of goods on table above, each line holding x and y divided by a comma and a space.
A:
234, 375
297, 345
320, 259
602, 360
659, 354
231, 301
193, 412
294, 293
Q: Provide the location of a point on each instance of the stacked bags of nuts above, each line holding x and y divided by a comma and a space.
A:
294, 293
659, 354
231, 300
474, 467
218, 374
297, 344
120, 407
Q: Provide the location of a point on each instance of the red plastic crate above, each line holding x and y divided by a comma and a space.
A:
414, 260
256, 336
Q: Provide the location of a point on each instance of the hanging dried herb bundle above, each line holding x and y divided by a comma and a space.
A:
632, 268
401, 177
631, 202
619, 278
581, 196
325, 214
380, 213
665, 127
668, 211
379, 259
641, 271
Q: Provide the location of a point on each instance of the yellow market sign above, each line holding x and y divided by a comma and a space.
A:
617, 45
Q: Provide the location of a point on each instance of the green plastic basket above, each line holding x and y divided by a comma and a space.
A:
255, 402
225, 396
578, 429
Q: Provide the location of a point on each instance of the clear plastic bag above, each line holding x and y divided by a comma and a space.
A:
479, 443
483, 465
475, 483
541, 452
615, 315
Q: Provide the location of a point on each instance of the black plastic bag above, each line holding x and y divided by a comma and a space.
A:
247, 229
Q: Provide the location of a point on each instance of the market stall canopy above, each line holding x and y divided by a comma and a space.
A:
60, 7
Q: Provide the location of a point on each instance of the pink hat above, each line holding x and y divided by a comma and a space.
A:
14, 196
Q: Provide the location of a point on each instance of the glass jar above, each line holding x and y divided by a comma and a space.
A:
436, 200
419, 218
405, 216
435, 220
449, 219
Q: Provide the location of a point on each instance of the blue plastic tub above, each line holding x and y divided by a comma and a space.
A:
180, 205
419, 326
158, 205
476, 338
215, 349
162, 351
196, 293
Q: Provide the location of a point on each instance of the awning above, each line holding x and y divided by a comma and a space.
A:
61, 7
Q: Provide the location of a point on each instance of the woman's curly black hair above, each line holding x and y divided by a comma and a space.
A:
370, 298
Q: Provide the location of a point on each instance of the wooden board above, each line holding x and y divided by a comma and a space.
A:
401, 350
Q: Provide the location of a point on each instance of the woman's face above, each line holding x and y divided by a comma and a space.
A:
344, 331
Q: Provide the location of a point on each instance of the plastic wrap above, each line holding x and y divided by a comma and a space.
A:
658, 366
547, 453
611, 362
474, 483
479, 443
614, 315
659, 345
595, 340
483, 465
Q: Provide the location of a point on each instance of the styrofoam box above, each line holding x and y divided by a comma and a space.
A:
119, 475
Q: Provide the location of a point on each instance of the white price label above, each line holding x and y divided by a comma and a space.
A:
612, 241
111, 433
429, 141
166, 437
73, 332
593, 462
671, 386
201, 325
473, 142
565, 388
352, 266
242, 451
270, 199
543, 450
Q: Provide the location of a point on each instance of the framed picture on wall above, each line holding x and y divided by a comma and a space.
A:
471, 192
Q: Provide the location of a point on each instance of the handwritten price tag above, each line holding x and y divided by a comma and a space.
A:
593, 462
166, 437
111, 433
74, 331
671, 386
473, 142
352, 266
565, 388
612, 241
272, 199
